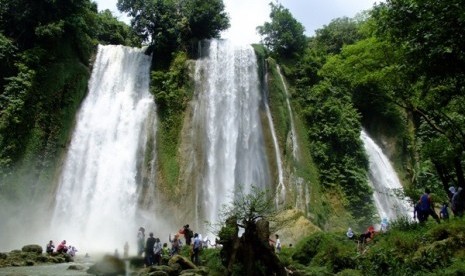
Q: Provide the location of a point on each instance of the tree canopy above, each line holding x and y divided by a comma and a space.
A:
174, 23
284, 35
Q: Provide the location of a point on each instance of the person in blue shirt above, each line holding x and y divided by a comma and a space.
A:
196, 247
444, 213
426, 206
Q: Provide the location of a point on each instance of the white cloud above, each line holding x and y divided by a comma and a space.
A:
245, 16
111, 5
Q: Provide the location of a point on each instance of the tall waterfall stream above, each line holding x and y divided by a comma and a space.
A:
96, 200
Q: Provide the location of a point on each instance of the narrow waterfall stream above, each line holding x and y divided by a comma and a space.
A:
96, 200
295, 145
227, 115
388, 192
302, 200
280, 194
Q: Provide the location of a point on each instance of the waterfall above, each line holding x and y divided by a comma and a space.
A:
295, 146
280, 189
227, 114
96, 200
388, 192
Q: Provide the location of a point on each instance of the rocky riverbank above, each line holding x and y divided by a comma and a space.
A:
31, 260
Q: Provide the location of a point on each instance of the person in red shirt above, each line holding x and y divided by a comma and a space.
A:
62, 248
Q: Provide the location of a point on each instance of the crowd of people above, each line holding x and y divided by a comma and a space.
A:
62, 248
155, 252
423, 208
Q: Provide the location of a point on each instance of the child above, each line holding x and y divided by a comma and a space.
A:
444, 213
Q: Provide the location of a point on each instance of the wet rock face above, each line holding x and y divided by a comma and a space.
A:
31, 255
110, 265
32, 248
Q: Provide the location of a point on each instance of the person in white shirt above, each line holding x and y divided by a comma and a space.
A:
278, 244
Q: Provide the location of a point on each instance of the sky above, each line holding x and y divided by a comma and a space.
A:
246, 15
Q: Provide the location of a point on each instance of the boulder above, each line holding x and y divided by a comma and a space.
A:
76, 267
32, 248
108, 266
162, 270
136, 262
200, 271
182, 261
158, 273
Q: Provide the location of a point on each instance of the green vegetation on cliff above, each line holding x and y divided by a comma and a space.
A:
172, 90
45, 53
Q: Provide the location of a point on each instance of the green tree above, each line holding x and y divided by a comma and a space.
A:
205, 19
112, 31
339, 32
153, 21
284, 35
334, 132
45, 47
172, 24
251, 253
430, 35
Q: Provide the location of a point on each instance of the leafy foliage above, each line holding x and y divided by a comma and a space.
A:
334, 129
174, 24
112, 31
45, 48
284, 35
417, 250
428, 33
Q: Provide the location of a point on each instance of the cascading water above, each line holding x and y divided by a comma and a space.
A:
96, 200
227, 115
295, 146
302, 191
387, 188
280, 189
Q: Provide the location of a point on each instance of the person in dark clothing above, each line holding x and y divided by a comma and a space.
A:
426, 206
368, 235
458, 203
188, 234
149, 255
444, 213
49, 248
418, 214
140, 241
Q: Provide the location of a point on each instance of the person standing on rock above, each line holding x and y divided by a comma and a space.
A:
196, 247
278, 244
188, 234
140, 241
175, 244
149, 255
157, 252
126, 250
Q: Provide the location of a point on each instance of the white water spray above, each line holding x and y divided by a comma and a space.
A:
388, 192
96, 200
227, 113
